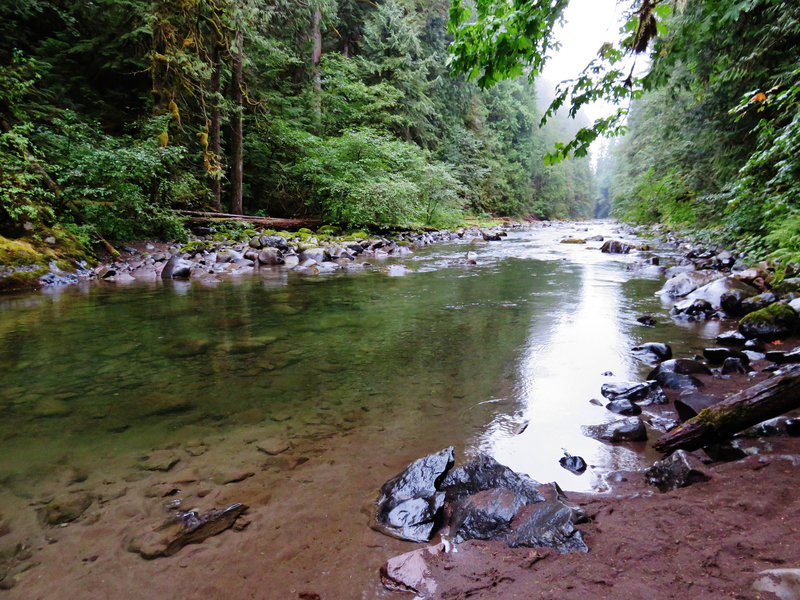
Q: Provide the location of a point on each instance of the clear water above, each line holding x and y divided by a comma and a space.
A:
374, 369
471, 351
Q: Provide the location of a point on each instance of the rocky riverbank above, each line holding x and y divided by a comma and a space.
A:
715, 523
210, 257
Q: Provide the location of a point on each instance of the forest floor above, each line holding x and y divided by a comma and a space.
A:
710, 540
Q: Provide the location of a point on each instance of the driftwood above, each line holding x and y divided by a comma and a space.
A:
206, 217
718, 422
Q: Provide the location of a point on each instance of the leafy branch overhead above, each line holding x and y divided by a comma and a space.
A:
502, 40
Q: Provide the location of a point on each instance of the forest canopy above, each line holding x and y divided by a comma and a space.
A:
115, 114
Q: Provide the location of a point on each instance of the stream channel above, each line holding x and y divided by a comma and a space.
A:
305, 394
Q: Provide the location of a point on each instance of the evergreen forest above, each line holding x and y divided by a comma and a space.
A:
117, 113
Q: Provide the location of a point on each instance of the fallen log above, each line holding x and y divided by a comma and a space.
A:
279, 223
718, 422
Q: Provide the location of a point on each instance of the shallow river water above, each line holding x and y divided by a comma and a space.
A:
357, 373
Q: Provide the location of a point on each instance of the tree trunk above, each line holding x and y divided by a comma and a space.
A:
765, 400
238, 101
214, 145
316, 54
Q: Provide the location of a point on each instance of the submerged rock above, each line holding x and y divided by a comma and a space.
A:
65, 509
184, 529
410, 502
677, 470
652, 352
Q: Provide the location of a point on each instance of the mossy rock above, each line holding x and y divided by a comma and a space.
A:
197, 246
786, 287
21, 280
305, 231
774, 322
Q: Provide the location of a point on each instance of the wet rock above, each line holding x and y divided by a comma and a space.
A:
572, 241
485, 514
782, 357
410, 503
485, 473
680, 469
731, 338
547, 524
716, 356
734, 364
409, 572
595, 238
184, 529
771, 323
631, 429
270, 257
783, 583
787, 286
315, 254
177, 268
694, 310
652, 352
690, 404
647, 392
624, 407
726, 293
685, 283
683, 366
573, 464
646, 320
65, 509
615, 247
793, 427
758, 302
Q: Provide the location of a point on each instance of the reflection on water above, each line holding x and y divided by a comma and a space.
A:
456, 354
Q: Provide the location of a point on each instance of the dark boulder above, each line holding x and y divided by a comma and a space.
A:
787, 286
631, 429
771, 323
678, 374
273, 241
410, 503
782, 358
680, 469
547, 524
716, 356
734, 364
485, 473
647, 392
652, 352
646, 320
694, 310
624, 407
615, 247
176, 268
485, 515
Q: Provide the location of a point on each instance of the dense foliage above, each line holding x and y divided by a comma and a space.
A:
715, 141
115, 113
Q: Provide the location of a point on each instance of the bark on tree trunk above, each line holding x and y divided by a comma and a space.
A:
765, 400
214, 133
238, 163
316, 54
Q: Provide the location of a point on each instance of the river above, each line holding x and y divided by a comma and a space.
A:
343, 379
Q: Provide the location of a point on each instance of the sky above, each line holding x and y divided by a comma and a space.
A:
588, 25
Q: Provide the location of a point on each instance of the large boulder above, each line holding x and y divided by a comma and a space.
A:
758, 302
485, 473
615, 247
685, 283
726, 293
771, 323
410, 502
176, 268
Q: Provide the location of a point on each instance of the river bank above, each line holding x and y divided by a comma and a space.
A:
234, 249
727, 530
